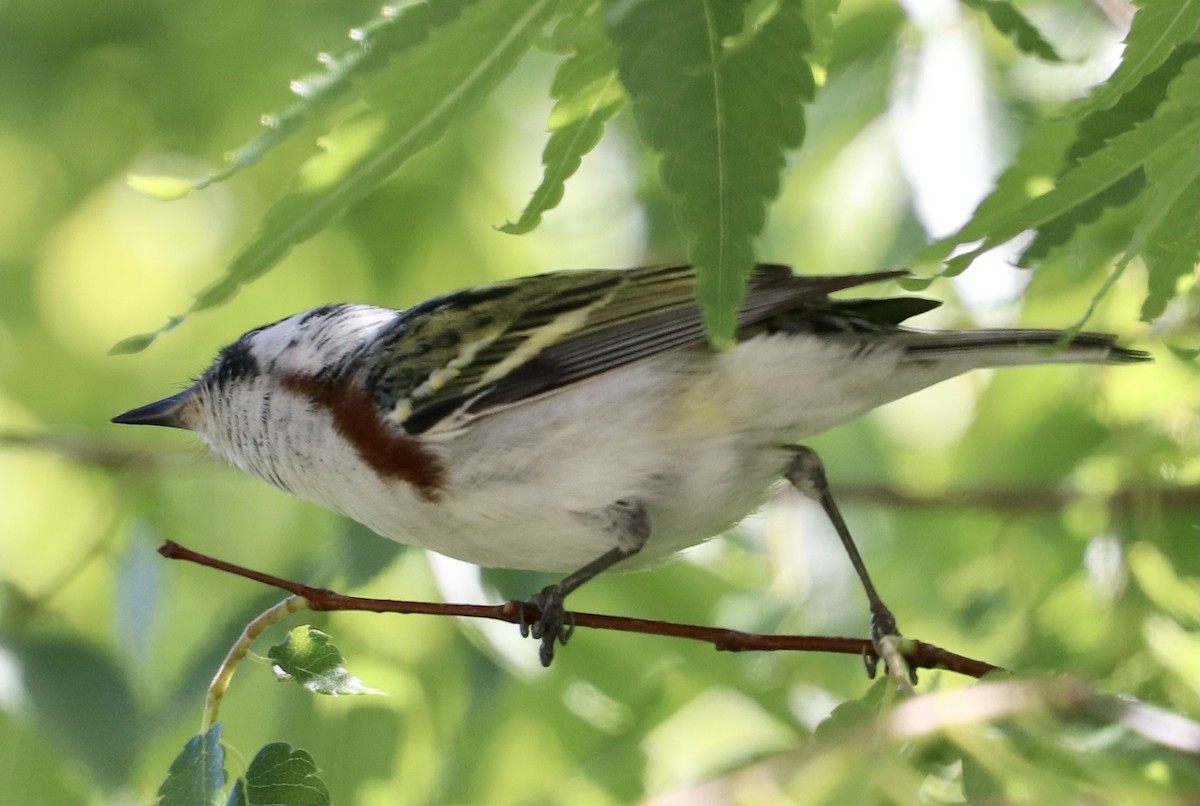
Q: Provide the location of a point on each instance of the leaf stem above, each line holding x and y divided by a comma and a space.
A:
239, 650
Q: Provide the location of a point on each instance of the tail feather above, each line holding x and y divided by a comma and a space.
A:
998, 348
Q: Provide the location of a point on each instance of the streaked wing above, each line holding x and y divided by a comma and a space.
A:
542, 333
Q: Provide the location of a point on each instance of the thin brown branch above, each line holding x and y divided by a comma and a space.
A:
919, 654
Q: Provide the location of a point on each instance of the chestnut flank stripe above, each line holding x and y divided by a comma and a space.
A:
355, 418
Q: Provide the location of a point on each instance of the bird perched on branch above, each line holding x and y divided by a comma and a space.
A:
576, 421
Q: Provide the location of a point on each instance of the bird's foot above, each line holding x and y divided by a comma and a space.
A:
889, 646
554, 625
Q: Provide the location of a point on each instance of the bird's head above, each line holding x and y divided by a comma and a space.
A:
244, 393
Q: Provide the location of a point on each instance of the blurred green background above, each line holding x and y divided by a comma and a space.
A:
1033, 517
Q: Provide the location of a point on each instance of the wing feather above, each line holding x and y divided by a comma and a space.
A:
555, 330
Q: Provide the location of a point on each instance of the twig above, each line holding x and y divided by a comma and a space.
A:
220, 681
920, 655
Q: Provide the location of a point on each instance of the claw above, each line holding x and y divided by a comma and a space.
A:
871, 662
524, 626
554, 625
567, 629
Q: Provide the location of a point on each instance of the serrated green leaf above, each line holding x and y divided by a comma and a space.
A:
1165, 134
1060, 230
280, 775
197, 775
1157, 34
424, 90
722, 103
818, 18
1097, 128
1013, 24
396, 29
310, 658
1031, 174
1167, 218
1174, 250
1168, 236
587, 95
1100, 125
1157, 30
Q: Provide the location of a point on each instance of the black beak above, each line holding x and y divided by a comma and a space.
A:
161, 412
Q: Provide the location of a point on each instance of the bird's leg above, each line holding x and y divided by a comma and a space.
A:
628, 519
806, 473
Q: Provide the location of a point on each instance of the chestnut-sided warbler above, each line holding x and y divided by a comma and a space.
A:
577, 420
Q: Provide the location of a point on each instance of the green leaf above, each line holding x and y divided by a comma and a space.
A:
587, 95
852, 715
720, 97
161, 186
422, 93
1167, 219
135, 344
1061, 230
1168, 235
1157, 30
1031, 174
309, 657
197, 775
1173, 248
1011, 22
1097, 128
1102, 124
280, 775
818, 18
84, 701
1158, 33
375, 43
1167, 133
1185, 353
